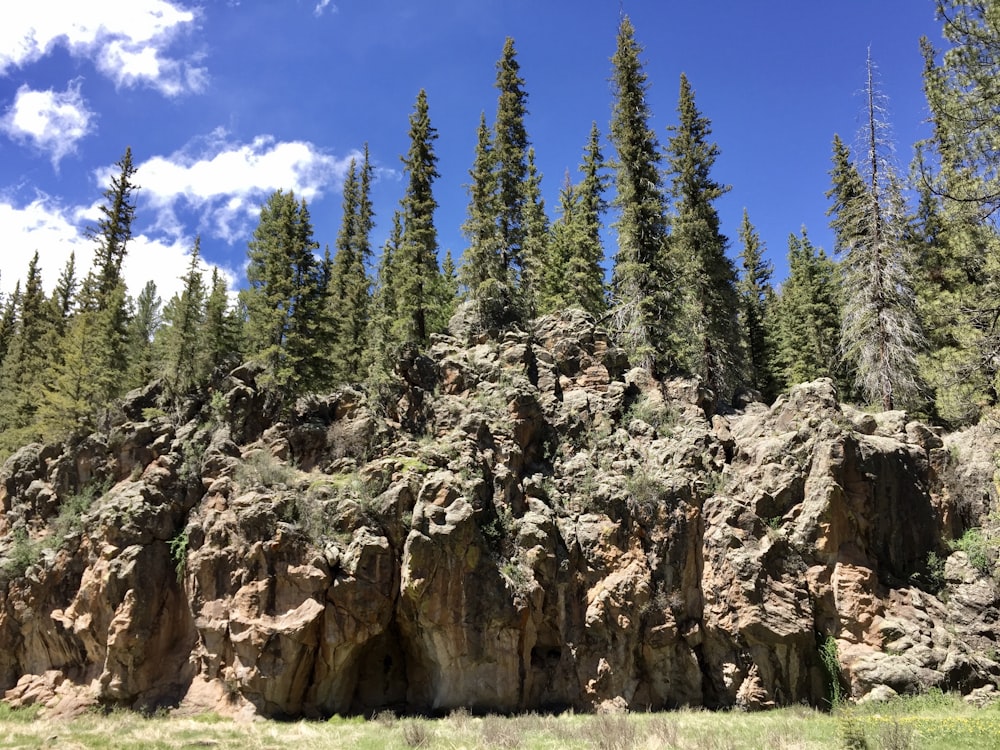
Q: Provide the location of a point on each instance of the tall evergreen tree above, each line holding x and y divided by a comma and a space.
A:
806, 322
536, 238
104, 288
111, 236
417, 283
24, 368
221, 331
555, 289
72, 405
510, 154
881, 335
144, 322
756, 297
963, 90
283, 298
573, 274
64, 295
955, 287
385, 329
710, 302
182, 335
349, 294
94, 353
505, 210
488, 280
643, 284
586, 267
8, 320
958, 270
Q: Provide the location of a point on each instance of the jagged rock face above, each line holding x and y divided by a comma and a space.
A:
524, 524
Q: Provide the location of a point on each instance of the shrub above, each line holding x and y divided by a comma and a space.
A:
192, 462
931, 578
896, 736
980, 548
71, 511
645, 492
415, 734
831, 665
460, 717
260, 468
499, 529
852, 734
22, 555
151, 413
653, 411
178, 553
308, 510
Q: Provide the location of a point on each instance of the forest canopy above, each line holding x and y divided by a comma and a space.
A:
901, 312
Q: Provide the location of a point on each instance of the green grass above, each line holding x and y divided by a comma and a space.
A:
934, 722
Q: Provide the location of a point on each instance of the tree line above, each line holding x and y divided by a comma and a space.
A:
903, 314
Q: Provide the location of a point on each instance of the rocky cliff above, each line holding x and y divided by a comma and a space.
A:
512, 524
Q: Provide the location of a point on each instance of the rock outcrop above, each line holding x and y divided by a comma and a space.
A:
520, 524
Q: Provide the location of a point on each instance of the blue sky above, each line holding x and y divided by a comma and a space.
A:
226, 101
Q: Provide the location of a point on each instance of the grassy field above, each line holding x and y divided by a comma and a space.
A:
927, 723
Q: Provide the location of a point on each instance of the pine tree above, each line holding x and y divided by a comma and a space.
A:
219, 344
306, 332
573, 275
536, 238
385, 329
143, 325
806, 322
505, 212
510, 154
848, 192
8, 320
643, 285
881, 336
756, 296
282, 299
956, 285
111, 235
103, 289
24, 368
958, 269
585, 267
449, 285
710, 302
349, 294
93, 356
489, 282
963, 91
181, 337
416, 275
64, 295
568, 234
69, 406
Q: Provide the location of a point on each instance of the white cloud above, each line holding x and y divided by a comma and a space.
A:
323, 5
56, 231
225, 183
51, 121
128, 40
